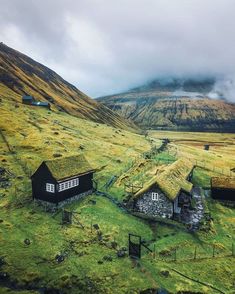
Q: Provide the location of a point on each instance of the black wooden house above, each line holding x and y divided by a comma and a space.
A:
61, 180
223, 188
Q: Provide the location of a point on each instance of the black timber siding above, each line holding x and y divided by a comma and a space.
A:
43, 176
223, 194
85, 184
39, 180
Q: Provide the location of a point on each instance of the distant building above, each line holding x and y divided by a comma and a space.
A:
30, 100
64, 179
223, 188
165, 195
27, 99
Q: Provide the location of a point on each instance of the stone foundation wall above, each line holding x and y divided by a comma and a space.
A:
163, 207
52, 206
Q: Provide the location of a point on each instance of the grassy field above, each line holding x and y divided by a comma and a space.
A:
30, 135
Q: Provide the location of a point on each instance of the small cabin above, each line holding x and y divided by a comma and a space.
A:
168, 193
62, 180
27, 99
30, 100
223, 188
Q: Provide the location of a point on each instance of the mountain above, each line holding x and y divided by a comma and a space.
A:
20, 75
175, 104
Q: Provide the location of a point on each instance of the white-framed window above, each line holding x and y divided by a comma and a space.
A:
68, 184
155, 196
50, 188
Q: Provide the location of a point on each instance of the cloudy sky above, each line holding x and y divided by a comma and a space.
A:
107, 46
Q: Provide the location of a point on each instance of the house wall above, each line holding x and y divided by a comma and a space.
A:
163, 207
39, 180
223, 194
85, 184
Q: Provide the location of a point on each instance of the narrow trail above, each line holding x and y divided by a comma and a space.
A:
197, 281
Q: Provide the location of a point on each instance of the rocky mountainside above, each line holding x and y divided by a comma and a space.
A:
175, 105
20, 75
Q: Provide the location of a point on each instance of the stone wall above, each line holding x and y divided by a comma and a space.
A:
52, 206
162, 207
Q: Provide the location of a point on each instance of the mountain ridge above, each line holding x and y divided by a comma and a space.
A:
178, 105
20, 74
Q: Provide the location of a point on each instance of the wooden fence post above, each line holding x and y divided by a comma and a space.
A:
154, 251
195, 253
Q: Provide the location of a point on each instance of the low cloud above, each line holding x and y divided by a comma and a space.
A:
224, 88
105, 46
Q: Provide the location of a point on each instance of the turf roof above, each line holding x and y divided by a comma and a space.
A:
172, 180
223, 182
66, 167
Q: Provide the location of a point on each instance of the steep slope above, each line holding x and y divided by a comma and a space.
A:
20, 75
176, 105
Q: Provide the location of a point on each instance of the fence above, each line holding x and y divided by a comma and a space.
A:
185, 253
203, 164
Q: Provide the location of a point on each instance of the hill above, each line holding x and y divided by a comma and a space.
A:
29, 135
19, 74
175, 105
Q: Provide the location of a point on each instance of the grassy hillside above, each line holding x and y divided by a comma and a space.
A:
20, 75
174, 107
30, 135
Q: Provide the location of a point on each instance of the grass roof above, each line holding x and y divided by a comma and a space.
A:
223, 182
172, 180
66, 167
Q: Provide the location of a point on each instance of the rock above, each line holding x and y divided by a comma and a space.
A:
165, 273
99, 235
57, 155
96, 226
59, 258
27, 242
2, 261
3, 276
2, 170
114, 244
121, 253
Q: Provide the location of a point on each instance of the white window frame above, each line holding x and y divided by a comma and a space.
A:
50, 188
68, 184
155, 196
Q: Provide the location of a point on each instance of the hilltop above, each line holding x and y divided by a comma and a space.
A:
20, 74
175, 105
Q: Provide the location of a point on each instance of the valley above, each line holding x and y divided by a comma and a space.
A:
152, 178
177, 105
30, 135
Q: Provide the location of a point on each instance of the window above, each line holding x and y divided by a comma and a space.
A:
68, 184
155, 196
50, 188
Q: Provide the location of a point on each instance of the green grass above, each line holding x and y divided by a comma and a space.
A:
111, 151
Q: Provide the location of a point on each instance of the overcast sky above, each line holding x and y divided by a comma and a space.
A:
107, 46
